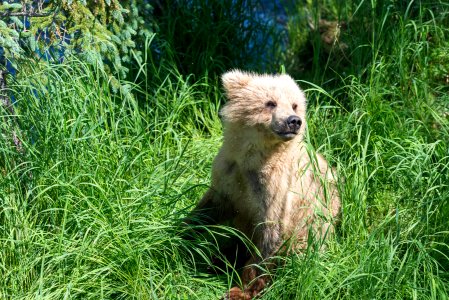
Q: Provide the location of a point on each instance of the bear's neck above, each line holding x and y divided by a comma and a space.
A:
265, 169
261, 155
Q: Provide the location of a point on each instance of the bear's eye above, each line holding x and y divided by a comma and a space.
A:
294, 106
271, 104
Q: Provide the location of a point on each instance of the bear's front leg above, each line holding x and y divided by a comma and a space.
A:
267, 238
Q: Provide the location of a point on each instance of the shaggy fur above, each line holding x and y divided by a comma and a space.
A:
263, 179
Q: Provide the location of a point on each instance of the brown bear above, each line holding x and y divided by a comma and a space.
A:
264, 181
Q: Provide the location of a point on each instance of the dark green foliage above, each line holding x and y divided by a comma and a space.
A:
332, 39
104, 33
210, 37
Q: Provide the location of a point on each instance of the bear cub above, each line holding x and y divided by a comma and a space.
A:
264, 181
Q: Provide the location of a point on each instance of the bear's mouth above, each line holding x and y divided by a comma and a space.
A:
286, 135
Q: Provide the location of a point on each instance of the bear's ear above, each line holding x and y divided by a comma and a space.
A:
286, 77
235, 79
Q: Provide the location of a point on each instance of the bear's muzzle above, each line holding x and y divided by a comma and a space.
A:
289, 128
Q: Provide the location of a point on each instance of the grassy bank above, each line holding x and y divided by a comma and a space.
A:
90, 208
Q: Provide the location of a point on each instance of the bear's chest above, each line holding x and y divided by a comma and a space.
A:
259, 193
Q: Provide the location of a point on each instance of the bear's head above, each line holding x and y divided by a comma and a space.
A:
273, 104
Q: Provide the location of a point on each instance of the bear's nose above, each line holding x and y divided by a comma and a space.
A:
294, 122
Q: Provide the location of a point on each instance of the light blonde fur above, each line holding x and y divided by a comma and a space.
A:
263, 180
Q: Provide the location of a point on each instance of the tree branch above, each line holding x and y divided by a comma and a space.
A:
24, 14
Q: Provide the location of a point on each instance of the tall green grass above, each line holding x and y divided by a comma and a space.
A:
90, 209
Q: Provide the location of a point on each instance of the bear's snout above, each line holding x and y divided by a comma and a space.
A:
294, 123
287, 128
